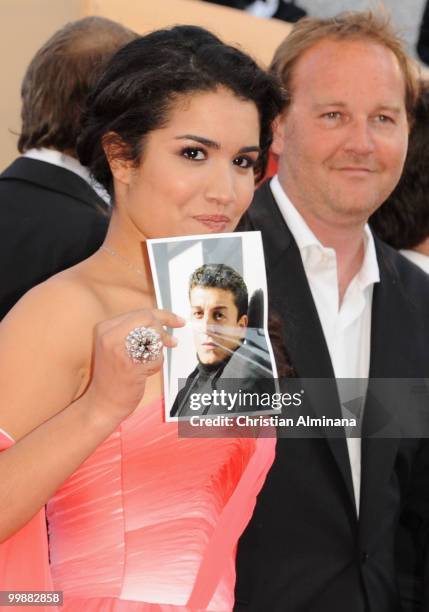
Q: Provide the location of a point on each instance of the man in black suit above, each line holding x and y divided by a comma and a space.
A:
51, 216
342, 524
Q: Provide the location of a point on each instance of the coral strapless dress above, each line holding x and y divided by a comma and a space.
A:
150, 521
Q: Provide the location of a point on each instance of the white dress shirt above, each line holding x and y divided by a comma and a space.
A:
51, 156
347, 327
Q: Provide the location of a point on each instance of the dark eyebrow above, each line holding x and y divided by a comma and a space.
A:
215, 145
214, 307
254, 149
204, 141
219, 307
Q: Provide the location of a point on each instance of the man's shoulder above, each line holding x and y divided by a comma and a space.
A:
37, 190
67, 227
263, 199
41, 182
30, 170
263, 213
413, 281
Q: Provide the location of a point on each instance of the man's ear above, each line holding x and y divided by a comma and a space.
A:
243, 321
278, 135
116, 152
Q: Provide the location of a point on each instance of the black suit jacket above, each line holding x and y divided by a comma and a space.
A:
50, 219
305, 549
248, 369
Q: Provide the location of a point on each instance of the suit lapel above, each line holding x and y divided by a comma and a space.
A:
389, 358
289, 292
290, 297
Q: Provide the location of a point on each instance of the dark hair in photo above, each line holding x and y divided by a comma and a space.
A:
221, 276
59, 78
403, 220
144, 79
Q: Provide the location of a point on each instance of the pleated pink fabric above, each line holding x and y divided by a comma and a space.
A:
150, 521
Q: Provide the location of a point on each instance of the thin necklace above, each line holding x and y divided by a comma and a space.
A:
125, 261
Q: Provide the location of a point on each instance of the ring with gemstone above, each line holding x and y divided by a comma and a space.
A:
143, 344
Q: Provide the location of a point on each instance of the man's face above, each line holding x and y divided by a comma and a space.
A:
343, 140
217, 329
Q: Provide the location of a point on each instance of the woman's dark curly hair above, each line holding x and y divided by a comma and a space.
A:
143, 79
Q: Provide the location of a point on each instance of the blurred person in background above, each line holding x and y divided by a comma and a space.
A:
286, 10
51, 214
403, 220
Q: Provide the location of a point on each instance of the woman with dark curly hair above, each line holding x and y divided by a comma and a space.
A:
177, 130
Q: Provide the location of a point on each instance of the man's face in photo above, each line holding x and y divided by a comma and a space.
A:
218, 330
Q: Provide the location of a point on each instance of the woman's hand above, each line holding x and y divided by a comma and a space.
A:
117, 382
43, 406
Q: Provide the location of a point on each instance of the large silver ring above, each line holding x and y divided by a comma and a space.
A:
143, 344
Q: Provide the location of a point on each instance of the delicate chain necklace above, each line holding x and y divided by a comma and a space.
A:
125, 261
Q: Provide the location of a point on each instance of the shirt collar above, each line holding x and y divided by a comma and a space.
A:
57, 158
303, 235
420, 259
305, 239
369, 272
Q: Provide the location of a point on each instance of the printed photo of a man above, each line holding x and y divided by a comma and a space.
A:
228, 357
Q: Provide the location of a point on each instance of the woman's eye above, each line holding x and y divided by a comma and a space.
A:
244, 162
194, 153
197, 315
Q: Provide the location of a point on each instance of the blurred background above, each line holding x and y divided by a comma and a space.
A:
26, 24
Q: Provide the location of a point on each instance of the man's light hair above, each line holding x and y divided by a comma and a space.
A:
355, 25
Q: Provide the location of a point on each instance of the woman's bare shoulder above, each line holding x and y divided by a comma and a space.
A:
46, 345
66, 300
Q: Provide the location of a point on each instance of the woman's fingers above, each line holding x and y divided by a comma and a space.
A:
129, 333
127, 352
168, 340
168, 318
150, 320
145, 317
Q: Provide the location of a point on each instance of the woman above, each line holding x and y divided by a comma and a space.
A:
177, 129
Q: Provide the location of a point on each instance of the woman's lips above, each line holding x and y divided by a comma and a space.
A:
214, 222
